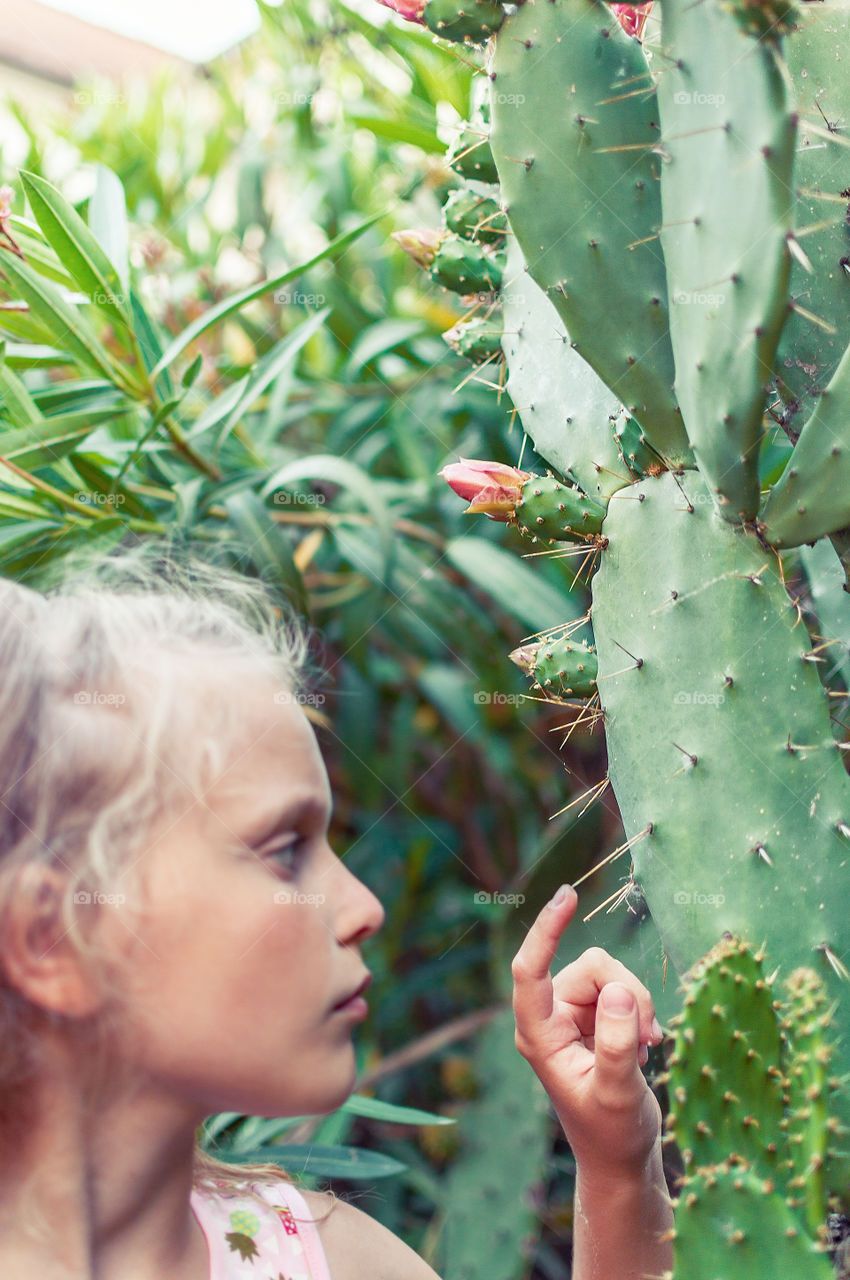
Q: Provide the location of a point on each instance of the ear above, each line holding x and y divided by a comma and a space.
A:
38, 957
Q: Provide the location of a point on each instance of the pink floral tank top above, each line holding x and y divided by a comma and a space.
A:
274, 1240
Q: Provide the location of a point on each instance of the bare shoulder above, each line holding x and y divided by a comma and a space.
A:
358, 1247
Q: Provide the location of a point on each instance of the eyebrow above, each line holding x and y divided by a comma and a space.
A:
273, 824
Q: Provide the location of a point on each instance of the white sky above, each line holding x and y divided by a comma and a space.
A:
195, 29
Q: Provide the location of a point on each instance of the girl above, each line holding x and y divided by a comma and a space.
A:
178, 938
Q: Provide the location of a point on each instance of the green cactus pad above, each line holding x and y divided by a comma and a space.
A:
724, 112
564, 406
474, 22
634, 449
476, 339
551, 509
574, 140
471, 156
812, 497
815, 335
465, 267
725, 1078
565, 667
719, 736
494, 1189
731, 1224
475, 217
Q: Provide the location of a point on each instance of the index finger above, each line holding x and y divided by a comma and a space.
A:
533, 992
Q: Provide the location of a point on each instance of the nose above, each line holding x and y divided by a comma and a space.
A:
361, 915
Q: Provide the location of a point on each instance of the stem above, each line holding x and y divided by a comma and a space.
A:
183, 446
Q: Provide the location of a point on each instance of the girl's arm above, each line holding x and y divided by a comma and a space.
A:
585, 1034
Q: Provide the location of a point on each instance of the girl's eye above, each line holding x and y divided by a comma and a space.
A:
291, 852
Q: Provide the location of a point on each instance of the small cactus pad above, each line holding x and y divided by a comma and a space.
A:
726, 1083
730, 1224
551, 509
475, 217
465, 20
561, 666
466, 267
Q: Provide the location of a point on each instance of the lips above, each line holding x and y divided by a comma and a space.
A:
358, 991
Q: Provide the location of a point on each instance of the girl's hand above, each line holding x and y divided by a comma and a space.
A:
585, 1033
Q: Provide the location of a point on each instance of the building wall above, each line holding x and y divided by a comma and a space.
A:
59, 48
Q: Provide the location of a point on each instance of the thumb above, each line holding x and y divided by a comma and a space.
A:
616, 1036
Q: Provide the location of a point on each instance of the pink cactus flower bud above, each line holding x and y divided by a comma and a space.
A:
633, 17
525, 657
422, 245
409, 9
491, 488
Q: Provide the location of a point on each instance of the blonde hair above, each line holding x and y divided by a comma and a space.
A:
100, 734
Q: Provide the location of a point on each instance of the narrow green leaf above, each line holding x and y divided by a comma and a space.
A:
239, 300
64, 322
18, 404
77, 248
360, 1105
399, 130
44, 441
323, 1161
34, 355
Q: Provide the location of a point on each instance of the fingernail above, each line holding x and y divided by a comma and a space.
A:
655, 1030
559, 896
617, 999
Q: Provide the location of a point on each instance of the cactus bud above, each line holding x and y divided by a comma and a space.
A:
477, 339
491, 488
409, 9
422, 244
632, 17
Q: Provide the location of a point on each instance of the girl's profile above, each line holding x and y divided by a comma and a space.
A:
179, 939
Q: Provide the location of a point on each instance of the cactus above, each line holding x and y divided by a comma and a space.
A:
751, 1111
682, 365
493, 1188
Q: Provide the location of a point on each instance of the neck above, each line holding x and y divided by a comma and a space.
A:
99, 1197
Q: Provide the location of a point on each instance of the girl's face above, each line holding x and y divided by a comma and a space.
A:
252, 934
